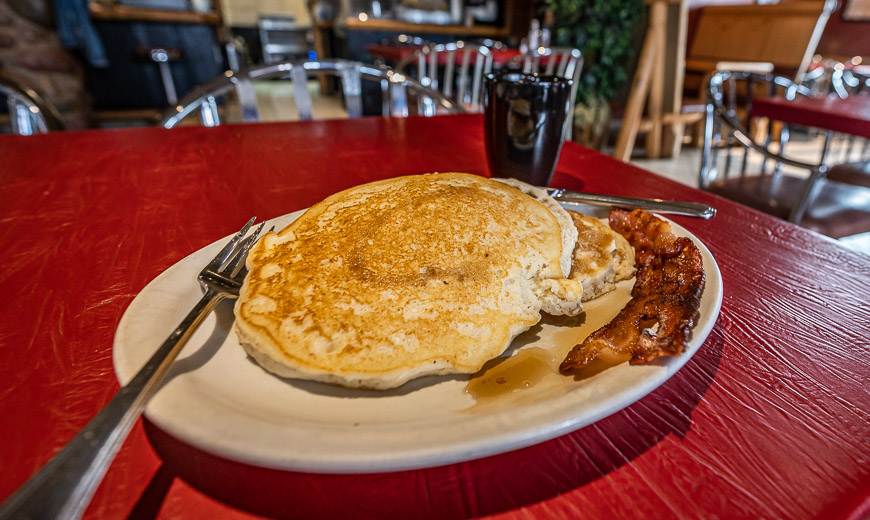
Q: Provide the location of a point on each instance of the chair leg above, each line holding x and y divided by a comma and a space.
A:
707, 172
826, 146
810, 187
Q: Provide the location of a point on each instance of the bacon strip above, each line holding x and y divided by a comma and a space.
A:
659, 318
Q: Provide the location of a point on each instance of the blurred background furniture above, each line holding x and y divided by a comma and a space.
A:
564, 62
457, 69
28, 112
158, 51
753, 38
454, 69
398, 52
282, 38
130, 89
212, 104
843, 116
162, 58
759, 173
32, 55
847, 118
657, 61
785, 34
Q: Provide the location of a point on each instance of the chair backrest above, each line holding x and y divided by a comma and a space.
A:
455, 69
565, 62
395, 89
28, 112
732, 130
730, 122
539, 35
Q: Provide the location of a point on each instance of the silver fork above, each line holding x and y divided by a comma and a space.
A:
64, 486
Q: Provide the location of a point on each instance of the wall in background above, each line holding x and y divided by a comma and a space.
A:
244, 13
841, 39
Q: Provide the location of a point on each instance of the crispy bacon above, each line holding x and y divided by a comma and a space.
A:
659, 318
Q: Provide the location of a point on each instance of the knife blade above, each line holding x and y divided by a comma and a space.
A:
675, 207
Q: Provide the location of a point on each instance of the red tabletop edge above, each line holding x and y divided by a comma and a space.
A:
850, 115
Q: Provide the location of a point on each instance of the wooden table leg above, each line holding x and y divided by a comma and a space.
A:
674, 78
658, 21
640, 86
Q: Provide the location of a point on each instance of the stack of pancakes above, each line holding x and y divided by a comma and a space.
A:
418, 275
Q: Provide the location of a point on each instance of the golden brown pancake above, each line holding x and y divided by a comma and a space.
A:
393, 280
602, 257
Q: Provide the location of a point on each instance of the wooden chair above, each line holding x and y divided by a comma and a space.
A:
397, 89
814, 200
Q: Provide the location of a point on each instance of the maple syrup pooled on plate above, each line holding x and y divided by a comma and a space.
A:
534, 366
515, 373
526, 369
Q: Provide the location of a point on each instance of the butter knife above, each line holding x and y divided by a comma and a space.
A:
675, 207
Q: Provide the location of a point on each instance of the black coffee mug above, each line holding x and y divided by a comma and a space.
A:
524, 125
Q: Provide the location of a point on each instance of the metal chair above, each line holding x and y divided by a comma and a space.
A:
28, 112
447, 68
829, 206
565, 62
396, 90
832, 78
826, 76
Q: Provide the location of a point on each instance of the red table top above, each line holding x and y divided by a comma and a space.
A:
849, 116
769, 419
397, 53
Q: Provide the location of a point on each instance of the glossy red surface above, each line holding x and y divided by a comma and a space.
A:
396, 53
850, 115
769, 420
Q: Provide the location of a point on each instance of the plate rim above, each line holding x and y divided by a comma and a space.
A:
559, 422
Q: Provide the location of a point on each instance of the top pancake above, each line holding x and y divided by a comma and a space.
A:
416, 275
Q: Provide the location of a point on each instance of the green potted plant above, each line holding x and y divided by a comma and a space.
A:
605, 32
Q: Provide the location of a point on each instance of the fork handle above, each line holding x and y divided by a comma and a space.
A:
64, 486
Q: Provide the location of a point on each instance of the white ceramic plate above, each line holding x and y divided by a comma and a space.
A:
217, 399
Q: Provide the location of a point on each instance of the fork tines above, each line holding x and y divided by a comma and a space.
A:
231, 258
